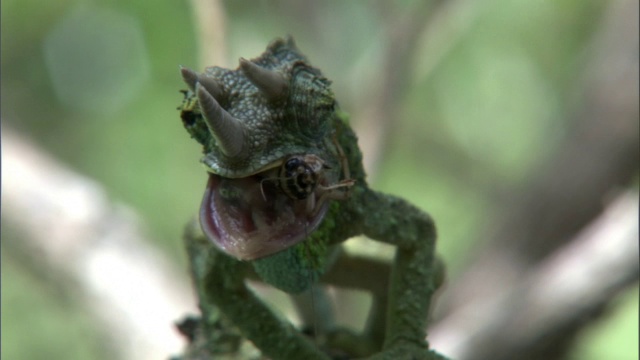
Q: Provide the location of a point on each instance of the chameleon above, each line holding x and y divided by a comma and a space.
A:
285, 188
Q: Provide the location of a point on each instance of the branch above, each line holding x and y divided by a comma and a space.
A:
555, 298
96, 248
373, 121
598, 157
210, 20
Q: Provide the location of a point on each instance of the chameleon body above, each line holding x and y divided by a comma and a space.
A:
286, 186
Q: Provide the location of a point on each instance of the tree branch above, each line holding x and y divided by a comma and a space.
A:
546, 307
372, 121
210, 23
597, 158
92, 247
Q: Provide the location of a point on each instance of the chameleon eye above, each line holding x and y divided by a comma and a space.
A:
188, 118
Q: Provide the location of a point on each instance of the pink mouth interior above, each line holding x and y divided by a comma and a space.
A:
248, 223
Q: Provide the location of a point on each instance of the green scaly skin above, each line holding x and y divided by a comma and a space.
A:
220, 279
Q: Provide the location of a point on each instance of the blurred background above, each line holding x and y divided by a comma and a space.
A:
514, 123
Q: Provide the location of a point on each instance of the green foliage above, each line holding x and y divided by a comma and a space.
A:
617, 336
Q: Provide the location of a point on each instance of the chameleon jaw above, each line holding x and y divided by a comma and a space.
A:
249, 218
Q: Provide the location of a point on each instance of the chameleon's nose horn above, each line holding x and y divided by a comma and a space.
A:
228, 131
191, 77
272, 84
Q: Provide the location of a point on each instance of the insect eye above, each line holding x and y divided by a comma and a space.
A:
292, 164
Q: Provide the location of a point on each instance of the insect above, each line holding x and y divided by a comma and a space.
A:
301, 177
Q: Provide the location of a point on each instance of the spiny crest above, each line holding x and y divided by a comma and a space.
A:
258, 113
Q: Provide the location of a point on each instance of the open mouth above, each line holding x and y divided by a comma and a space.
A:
249, 218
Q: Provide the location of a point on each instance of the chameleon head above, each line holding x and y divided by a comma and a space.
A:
250, 121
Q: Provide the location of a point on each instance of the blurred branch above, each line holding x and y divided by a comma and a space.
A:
375, 121
546, 307
94, 248
598, 157
210, 22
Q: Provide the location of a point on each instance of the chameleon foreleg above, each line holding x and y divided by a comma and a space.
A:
371, 275
223, 287
394, 221
275, 338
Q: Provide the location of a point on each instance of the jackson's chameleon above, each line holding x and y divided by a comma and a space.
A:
285, 187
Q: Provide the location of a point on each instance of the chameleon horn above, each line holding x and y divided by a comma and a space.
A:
271, 83
228, 131
189, 76
289, 40
210, 84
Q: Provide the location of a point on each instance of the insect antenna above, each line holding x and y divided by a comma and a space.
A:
264, 196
